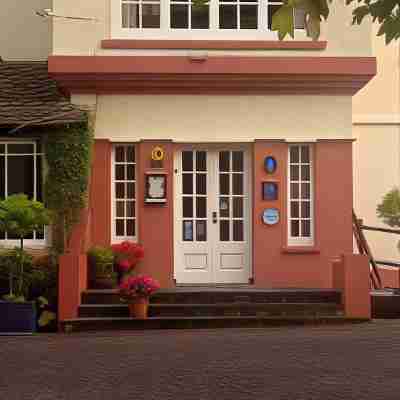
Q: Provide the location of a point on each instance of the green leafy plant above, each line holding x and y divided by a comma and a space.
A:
102, 258
68, 155
389, 209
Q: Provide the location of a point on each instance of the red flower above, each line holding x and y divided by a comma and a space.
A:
124, 265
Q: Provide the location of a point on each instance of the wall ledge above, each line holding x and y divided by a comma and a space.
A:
300, 250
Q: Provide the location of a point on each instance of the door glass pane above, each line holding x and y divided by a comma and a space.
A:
238, 231
305, 209
294, 172
187, 183
20, 177
294, 209
224, 183
120, 206
237, 161
294, 190
130, 169
187, 161
294, 154
120, 172
201, 231
201, 207
224, 230
305, 190
305, 172
201, 183
130, 186
294, 225
120, 190
188, 231
306, 228
305, 154
224, 161
187, 207
130, 153
224, 207
119, 154
237, 183
201, 161
238, 207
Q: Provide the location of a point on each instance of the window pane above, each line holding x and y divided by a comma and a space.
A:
2, 177
130, 209
294, 225
238, 231
224, 183
119, 227
201, 207
179, 16
224, 161
299, 18
130, 186
187, 161
120, 190
224, 230
201, 231
130, 170
228, 16
237, 161
120, 172
305, 209
306, 228
201, 184
120, 209
238, 207
294, 154
248, 16
200, 18
39, 183
130, 227
119, 154
187, 183
294, 172
224, 207
2, 148
187, 231
20, 175
40, 234
305, 190
237, 183
151, 16
294, 209
201, 161
130, 15
187, 207
22, 148
305, 172
305, 154
294, 190
130, 153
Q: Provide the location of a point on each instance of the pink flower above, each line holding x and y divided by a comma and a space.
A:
124, 265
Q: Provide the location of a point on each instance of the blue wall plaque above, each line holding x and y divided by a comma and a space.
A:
270, 216
270, 164
270, 191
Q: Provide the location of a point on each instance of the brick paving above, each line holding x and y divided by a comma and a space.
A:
293, 363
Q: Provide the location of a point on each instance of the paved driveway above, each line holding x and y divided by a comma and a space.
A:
343, 362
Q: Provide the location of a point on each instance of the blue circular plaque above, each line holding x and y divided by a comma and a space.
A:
270, 164
270, 216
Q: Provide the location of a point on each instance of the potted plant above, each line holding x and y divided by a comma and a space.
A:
126, 257
136, 291
19, 217
102, 261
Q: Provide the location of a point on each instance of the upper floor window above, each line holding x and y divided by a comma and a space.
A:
225, 19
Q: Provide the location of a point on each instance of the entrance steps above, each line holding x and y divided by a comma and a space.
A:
211, 308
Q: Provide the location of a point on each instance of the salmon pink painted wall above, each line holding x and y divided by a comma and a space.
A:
277, 265
390, 277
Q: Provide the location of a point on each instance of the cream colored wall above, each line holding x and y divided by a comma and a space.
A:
24, 35
83, 38
376, 118
376, 171
222, 118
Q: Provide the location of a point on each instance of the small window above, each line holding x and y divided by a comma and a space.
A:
238, 14
186, 15
124, 193
140, 13
21, 172
300, 195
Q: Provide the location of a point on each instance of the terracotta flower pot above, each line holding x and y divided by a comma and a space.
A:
139, 308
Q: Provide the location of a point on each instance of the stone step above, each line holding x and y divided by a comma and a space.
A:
99, 324
215, 295
216, 309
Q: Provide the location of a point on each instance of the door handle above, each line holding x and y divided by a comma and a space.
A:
214, 217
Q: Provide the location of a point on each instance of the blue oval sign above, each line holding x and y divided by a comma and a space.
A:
270, 216
270, 164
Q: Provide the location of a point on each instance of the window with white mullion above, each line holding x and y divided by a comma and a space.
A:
138, 14
185, 15
238, 14
300, 196
124, 193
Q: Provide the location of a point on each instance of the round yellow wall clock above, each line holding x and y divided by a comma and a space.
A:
157, 154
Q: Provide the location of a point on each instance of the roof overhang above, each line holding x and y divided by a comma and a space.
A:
212, 75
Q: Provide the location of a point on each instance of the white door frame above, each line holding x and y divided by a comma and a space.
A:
248, 215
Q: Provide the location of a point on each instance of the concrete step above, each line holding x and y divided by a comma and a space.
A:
215, 309
221, 295
123, 323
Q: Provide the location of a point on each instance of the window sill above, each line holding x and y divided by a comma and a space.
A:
213, 44
300, 250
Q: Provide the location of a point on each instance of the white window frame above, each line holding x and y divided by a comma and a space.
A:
165, 32
28, 243
301, 240
114, 237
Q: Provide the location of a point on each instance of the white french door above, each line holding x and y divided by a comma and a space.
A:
212, 216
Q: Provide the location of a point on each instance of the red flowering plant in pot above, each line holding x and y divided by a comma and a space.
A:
136, 291
126, 256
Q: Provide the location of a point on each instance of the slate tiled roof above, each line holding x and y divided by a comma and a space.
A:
28, 96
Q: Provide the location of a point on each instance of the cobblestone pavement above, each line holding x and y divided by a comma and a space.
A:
339, 362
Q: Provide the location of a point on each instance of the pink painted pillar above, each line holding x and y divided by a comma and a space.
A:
351, 276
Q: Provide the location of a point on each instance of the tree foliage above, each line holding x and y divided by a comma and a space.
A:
389, 209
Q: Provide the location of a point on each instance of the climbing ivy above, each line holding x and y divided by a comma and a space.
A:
68, 155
